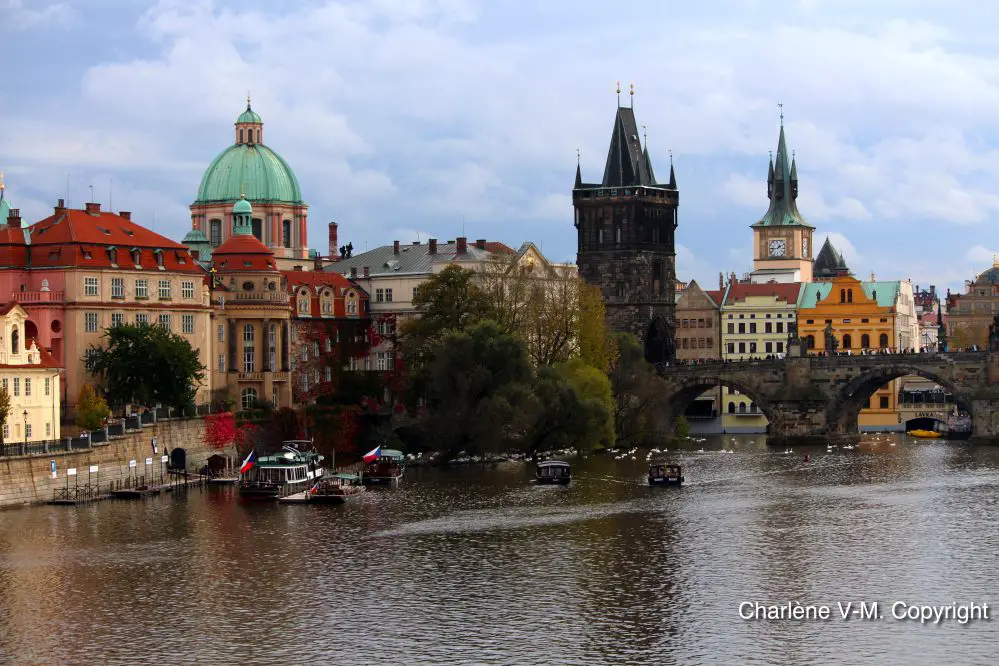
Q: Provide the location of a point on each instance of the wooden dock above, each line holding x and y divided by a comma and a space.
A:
86, 494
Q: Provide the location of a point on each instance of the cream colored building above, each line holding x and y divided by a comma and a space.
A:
30, 376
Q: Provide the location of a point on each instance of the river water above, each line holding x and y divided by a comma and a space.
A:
476, 565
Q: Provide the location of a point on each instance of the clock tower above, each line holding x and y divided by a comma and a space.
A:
782, 239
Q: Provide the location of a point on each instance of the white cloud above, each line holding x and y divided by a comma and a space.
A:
18, 17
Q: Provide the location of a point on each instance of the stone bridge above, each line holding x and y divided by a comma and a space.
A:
821, 396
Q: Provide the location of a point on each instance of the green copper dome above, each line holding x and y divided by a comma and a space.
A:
249, 116
242, 206
251, 169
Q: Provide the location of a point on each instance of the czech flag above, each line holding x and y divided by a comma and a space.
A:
314, 489
250, 461
373, 455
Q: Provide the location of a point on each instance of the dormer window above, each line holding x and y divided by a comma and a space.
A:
87, 253
137, 257
159, 259
113, 256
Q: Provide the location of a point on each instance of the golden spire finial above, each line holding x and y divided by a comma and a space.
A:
247, 99
995, 262
2, 186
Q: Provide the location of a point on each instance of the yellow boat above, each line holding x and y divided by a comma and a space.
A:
924, 434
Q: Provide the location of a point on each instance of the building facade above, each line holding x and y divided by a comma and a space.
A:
30, 377
755, 322
698, 339
78, 272
782, 238
625, 228
970, 314
252, 170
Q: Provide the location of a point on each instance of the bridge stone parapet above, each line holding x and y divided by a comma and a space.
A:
821, 396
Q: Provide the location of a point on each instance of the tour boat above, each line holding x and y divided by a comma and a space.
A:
385, 470
661, 474
924, 434
336, 489
281, 474
554, 471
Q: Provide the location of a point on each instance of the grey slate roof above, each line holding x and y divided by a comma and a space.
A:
829, 262
412, 259
626, 164
782, 181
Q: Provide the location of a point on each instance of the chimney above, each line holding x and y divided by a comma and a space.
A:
60, 206
14, 217
395, 247
317, 263
334, 248
367, 272
721, 280
125, 214
462, 245
481, 243
353, 272
433, 246
93, 208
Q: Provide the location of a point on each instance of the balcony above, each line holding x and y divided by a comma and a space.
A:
251, 376
39, 296
256, 297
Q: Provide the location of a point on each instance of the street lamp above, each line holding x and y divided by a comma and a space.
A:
25, 451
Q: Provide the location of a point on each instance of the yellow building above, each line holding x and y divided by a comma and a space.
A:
30, 376
755, 320
846, 315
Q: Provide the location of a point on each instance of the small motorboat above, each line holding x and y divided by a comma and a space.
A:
554, 472
661, 474
336, 489
924, 434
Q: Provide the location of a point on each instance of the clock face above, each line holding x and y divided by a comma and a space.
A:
777, 248
804, 247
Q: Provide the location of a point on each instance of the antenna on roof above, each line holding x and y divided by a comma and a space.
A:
110, 194
91, 193
462, 225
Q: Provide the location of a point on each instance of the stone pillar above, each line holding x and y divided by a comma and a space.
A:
285, 347
266, 338
233, 328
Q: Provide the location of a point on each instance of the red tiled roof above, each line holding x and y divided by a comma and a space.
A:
715, 295
499, 248
317, 279
81, 239
786, 291
13, 252
7, 308
243, 253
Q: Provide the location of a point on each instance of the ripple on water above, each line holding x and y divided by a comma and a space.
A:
476, 565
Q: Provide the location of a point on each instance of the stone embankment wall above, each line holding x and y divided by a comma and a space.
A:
28, 479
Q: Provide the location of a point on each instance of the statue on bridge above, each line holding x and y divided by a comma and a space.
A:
794, 343
831, 342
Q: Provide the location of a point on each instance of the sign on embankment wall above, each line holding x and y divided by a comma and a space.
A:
30, 479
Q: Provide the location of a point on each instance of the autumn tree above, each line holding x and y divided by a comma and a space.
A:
143, 364
596, 346
5, 408
594, 387
221, 431
641, 407
91, 409
967, 334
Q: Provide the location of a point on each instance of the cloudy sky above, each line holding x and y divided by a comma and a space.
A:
432, 116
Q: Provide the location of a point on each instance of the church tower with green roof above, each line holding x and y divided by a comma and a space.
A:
782, 238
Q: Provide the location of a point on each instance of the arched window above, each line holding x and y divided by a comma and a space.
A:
249, 398
849, 295
752, 407
847, 341
215, 232
731, 408
241, 136
842, 295
258, 136
883, 341
865, 341
15, 341
258, 228
742, 408
286, 233
810, 342
249, 353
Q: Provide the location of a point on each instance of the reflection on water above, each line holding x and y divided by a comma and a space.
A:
478, 565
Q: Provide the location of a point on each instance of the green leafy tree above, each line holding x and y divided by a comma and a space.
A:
5, 408
594, 387
91, 408
564, 418
447, 303
479, 391
681, 428
142, 364
641, 408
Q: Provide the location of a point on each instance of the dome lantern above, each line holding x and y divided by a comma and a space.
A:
242, 214
249, 126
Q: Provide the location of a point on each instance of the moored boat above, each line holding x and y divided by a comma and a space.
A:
336, 489
924, 434
661, 474
383, 467
553, 472
281, 474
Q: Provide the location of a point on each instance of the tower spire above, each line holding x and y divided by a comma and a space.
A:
672, 174
579, 173
631, 92
619, 94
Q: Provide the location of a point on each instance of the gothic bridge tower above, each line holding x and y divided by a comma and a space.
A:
625, 239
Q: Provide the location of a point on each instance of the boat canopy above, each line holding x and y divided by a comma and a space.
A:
392, 453
553, 463
345, 477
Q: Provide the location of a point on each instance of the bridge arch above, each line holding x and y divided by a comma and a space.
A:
682, 392
844, 409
